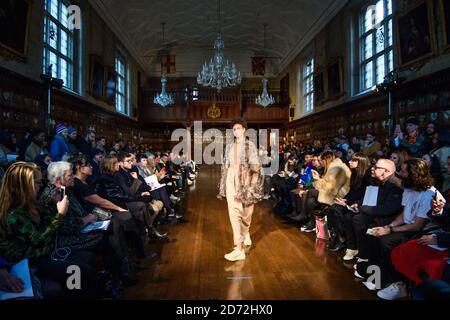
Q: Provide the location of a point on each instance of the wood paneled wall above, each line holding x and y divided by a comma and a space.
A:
23, 103
231, 103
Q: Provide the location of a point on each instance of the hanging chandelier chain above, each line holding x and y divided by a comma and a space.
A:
219, 73
163, 29
219, 19
265, 26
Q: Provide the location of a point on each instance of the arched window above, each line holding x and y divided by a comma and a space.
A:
62, 43
375, 43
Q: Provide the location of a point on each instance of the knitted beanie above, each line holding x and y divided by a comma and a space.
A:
60, 128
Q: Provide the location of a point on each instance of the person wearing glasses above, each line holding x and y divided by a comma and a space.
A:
124, 226
388, 205
416, 201
134, 188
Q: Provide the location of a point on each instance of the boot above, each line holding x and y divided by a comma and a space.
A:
335, 244
156, 234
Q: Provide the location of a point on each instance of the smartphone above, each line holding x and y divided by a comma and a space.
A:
435, 195
63, 192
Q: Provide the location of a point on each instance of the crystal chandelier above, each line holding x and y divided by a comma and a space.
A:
218, 74
265, 99
163, 99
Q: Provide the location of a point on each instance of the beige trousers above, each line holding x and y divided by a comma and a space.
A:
240, 216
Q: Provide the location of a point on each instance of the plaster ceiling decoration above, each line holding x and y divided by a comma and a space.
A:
192, 25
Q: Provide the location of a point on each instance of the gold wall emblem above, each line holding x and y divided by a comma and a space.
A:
214, 112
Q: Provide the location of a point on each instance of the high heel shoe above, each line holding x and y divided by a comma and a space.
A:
155, 233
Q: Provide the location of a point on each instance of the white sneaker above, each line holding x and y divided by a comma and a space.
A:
395, 291
370, 285
174, 198
235, 255
362, 260
266, 197
247, 240
350, 254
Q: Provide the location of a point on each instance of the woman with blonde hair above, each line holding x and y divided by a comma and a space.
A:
335, 182
28, 233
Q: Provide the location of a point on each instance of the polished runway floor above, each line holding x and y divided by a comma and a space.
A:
282, 264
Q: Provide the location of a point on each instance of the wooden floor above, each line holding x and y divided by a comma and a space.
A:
282, 264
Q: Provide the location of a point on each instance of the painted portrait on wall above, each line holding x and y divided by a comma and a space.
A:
14, 20
415, 34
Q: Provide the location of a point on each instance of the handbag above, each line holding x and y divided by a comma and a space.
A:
102, 214
322, 231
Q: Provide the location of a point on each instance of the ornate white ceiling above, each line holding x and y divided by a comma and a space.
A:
191, 27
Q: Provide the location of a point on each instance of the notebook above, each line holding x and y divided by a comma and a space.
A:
153, 182
371, 196
99, 225
22, 271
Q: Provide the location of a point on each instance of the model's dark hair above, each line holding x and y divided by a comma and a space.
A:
240, 121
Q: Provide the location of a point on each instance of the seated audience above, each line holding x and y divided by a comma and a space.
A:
417, 195
388, 206
108, 187
28, 231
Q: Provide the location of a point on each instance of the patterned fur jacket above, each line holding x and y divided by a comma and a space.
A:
335, 183
251, 181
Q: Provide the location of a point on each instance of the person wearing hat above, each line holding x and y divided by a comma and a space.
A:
72, 139
414, 141
59, 147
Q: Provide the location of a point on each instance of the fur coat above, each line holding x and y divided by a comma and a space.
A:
251, 182
335, 183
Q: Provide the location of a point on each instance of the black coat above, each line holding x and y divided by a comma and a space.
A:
107, 187
354, 194
131, 186
389, 204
